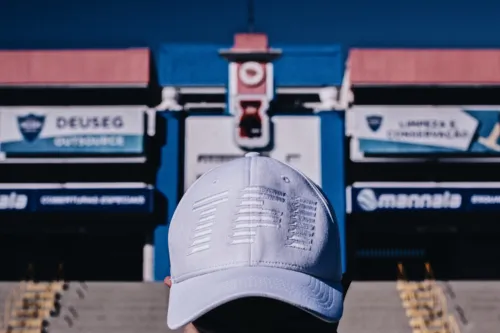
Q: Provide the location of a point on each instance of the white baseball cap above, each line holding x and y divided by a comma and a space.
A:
254, 227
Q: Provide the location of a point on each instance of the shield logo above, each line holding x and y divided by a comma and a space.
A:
374, 122
30, 126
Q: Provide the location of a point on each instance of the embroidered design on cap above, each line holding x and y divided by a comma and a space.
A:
302, 223
207, 208
252, 213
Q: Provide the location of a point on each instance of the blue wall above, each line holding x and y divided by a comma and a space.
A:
167, 184
333, 170
106, 23
201, 65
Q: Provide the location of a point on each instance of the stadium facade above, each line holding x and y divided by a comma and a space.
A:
99, 140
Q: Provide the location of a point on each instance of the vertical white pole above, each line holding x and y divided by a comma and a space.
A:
151, 119
148, 263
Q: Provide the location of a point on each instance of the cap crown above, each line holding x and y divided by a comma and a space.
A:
254, 211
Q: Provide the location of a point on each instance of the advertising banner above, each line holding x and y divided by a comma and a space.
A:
56, 198
209, 142
15, 200
385, 197
72, 130
424, 130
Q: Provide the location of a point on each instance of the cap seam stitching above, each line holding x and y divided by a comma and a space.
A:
250, 163
302, 268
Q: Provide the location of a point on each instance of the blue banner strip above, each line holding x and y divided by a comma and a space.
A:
77, 200
372, 199
83, 144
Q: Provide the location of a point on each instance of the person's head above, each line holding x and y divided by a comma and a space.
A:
258, 315
254, 247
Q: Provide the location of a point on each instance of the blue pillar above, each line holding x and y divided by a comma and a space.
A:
333, 169
167, 185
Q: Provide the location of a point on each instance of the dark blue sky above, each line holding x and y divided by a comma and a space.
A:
123, 23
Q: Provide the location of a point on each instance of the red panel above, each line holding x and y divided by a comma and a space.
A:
375, 67
128, 67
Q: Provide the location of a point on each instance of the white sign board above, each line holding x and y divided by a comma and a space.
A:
210, 142
447, 127
72, 129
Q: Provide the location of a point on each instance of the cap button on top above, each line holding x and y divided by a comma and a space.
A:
252, 154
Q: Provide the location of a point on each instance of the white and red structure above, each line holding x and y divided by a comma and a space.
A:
251, 89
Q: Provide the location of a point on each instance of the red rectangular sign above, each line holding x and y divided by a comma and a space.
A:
114, 68
414, 67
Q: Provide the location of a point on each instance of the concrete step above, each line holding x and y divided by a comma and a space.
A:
373, 307
112, 307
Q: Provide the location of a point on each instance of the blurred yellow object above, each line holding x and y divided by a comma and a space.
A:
425, 303
29, 305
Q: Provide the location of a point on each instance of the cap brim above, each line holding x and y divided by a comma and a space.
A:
196, 296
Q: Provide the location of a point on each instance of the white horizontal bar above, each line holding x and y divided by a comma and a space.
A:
73, 160
298, 90
425, 159
76, 85
202, 90
204, 106
432, 107
19, 186
358, 157
426, 185
131, 108
223, 90
106, 185
190, 106
425, 85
